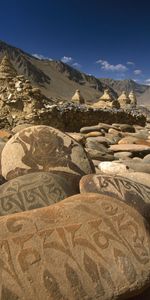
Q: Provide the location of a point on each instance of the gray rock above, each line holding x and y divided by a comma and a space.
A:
137, 166
95, 145
99, 155
146, 159
90, 129
112, 167
123, 155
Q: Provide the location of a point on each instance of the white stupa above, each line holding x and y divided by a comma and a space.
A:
78, 98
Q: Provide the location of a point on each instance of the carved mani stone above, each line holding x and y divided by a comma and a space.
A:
133, 193
33, 191
87, 246
43, 148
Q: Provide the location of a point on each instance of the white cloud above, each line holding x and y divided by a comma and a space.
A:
147, 81
40, 56
136, 80
137, 72
70, 61
105, 65
130, 63
76, 65
67, 59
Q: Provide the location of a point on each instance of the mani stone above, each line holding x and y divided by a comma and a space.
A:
122, 188
43, 148
34, 190
86, 247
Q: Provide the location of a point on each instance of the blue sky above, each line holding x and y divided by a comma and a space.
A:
103, 38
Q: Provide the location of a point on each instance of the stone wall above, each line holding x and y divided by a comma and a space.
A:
72, 118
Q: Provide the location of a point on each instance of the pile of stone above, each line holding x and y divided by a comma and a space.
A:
18, 98
107, 101
75, 209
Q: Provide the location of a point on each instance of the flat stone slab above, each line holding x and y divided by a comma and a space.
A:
43, 148
113, 168
130, 148
137, 166
34, 190
124, 189
85, 247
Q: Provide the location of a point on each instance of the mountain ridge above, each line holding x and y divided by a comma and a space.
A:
59, 81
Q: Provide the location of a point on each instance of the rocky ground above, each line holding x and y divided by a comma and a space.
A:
75, 210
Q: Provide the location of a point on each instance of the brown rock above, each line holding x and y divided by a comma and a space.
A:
33, 191
141, 177
78, 137
130, 148
5, 134
137, 166
128, 140
124, 189
86, 247
134, 140
20, 127
93, 134
43, 148
113, 131
2, 144
90, 129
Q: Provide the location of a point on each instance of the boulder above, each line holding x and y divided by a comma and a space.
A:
43, 148
19, 127
86, 247
133, 193
34, 190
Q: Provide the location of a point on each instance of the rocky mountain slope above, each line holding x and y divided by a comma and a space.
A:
59, 81
142, 91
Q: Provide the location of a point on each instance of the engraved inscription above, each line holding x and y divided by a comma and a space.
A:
95, 248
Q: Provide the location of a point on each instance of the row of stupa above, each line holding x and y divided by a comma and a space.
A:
107, 100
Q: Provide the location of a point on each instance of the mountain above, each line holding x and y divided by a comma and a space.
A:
58, 81
142, 91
